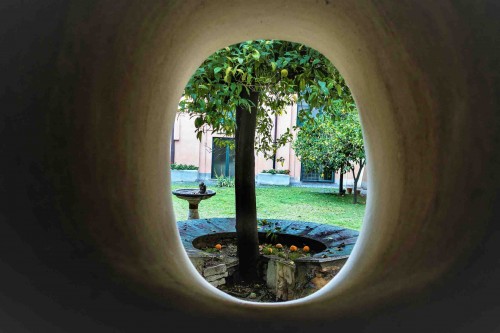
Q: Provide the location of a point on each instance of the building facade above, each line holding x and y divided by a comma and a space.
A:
213, 160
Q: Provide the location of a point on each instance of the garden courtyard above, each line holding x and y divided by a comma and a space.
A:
329, 222
313, 204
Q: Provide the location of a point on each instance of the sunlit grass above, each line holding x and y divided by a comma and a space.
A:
275, 202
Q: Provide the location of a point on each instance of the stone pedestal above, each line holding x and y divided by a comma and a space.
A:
193, 209
194, 197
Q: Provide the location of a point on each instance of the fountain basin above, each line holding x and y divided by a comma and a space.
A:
193, 197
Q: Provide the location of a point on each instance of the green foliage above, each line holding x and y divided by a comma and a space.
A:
263, 77
224, 142
348, 141
223, 181
278, 70
331, 143
271, 228
175, 166
277, 172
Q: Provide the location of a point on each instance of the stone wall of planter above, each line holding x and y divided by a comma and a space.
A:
286, 279
270, 179
215, 275
292, 280
184, 175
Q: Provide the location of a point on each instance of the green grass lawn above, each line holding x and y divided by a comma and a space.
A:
275, 202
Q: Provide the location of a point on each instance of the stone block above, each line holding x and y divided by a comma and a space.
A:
198, 263
216, 277
231, 262
271, 275
219, 282
214, 270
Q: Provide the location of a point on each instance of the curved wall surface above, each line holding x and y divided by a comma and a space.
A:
90, 91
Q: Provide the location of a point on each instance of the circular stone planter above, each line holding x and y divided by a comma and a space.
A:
333, 242
330, 245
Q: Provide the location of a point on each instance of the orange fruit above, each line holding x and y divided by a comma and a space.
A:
218, 247
269, 250
293, 248
279, 246
306, 248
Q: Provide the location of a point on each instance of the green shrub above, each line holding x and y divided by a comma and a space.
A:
175, 166
277, 172
223, 181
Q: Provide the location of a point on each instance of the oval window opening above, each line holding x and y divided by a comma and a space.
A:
268, 170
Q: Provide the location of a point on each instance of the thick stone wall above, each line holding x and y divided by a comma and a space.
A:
89, 91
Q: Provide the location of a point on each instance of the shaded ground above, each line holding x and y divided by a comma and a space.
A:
257, 292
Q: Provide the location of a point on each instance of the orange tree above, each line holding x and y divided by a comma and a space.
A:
237, 91
333, 142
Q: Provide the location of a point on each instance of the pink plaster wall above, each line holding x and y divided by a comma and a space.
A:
186, 145
189, 150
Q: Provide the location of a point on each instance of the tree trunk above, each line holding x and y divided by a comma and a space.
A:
354, 188
356, 179
341, 182
246, 210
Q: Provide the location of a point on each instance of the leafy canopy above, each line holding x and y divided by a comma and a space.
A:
331, 142
279, 71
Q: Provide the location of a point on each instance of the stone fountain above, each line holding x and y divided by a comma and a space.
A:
194, 196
